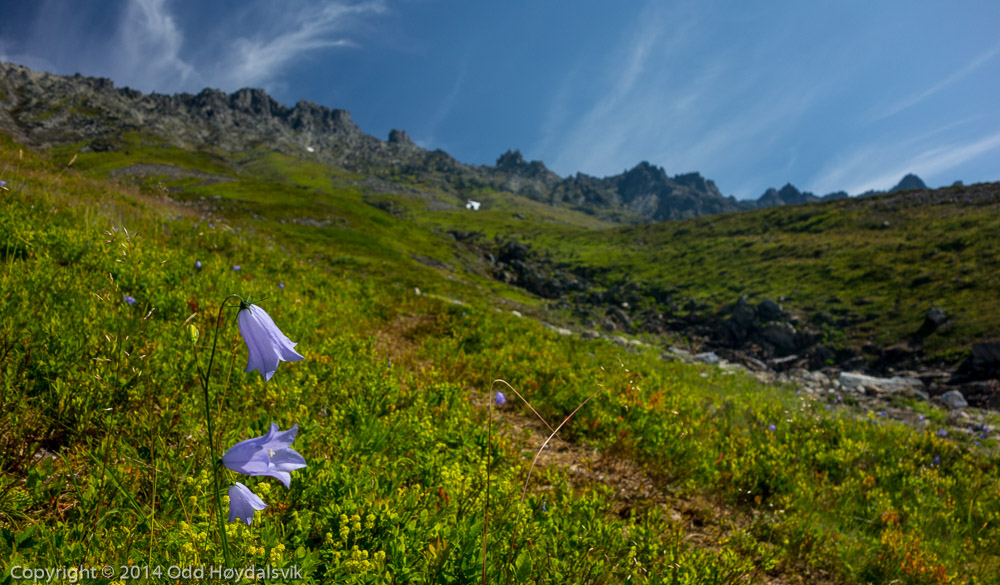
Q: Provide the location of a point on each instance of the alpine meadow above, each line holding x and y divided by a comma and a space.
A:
248, 341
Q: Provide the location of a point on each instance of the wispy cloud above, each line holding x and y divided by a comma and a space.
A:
882, 166
150, 44
659, 107
443, 110
259, 61
594, 139
955, 77
151, 49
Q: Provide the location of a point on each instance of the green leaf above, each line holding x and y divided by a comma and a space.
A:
523, 566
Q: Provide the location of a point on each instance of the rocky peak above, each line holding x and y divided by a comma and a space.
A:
510, 161
909, 183
41, 109
533, 178
641, 180
770, 198
787, 195
255, 102
513, 162
400, 138
308, 116
698, 183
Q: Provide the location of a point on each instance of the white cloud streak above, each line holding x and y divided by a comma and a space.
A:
955, 77
444, 109
148, 50
595, 140
870, 168
257, 62
150, 43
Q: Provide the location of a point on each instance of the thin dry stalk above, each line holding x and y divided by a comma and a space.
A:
524, 490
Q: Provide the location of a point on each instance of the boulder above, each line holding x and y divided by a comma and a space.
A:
986, 355
855, 381
769, 310
743, 314
953, 399
983, 394
620, 316
933, 321
732, 333
821, 356
983, 363
781, 336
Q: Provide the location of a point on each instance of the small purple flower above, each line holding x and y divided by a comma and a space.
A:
281, 285
269, 454
3, 183
500, 399
195, 226
129, 299
882, 413
197, 263
236, 267
266, 344
942, 433
211, 225
937, 460
772, 428
243, 503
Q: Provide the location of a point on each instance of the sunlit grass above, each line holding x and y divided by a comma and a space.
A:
102, 437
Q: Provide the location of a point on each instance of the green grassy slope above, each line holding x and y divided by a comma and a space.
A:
881, 262
671, 473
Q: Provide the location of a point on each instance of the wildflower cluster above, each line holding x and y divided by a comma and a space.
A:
270, 454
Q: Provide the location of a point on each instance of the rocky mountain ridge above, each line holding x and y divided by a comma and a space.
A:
44, 110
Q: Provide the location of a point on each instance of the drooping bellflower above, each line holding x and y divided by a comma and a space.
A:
270, 454
266, 344
243, 503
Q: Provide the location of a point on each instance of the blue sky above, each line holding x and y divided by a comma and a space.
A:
831, 95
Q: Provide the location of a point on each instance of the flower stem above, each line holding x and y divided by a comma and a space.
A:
211, 437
